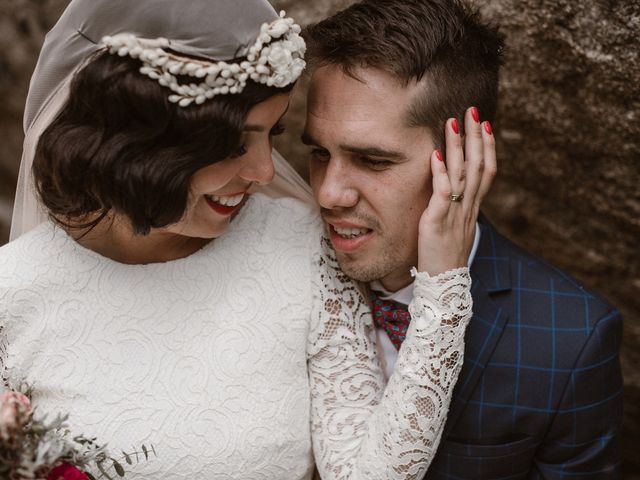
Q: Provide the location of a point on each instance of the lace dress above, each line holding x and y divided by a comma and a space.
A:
229, 361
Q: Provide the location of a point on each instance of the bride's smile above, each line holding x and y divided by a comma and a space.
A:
220, 190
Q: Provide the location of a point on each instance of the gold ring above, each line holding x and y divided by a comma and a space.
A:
457, 197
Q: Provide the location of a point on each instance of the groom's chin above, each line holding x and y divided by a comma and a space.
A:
358, 268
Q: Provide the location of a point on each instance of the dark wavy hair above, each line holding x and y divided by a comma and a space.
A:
444, 42
119, 145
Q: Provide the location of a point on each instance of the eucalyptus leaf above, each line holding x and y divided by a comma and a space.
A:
118, 468
103, 471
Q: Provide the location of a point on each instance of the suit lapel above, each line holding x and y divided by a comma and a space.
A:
490, 274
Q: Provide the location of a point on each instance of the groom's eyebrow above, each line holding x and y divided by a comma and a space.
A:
307, 139
374, 152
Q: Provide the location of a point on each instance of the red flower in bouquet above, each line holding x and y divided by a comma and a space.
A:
66, 472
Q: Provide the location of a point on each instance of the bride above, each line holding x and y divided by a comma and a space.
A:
156, 301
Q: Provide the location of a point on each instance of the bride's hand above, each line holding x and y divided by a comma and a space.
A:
447, 226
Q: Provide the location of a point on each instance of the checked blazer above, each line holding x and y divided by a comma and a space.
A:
540, 392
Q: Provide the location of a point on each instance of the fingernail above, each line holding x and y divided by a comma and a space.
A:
439, 155
475, 114
455, 126
487, 127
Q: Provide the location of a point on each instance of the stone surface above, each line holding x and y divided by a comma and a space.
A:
568, 137
569, 150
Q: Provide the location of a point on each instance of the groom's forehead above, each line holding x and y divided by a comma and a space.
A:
364, 94
373, 83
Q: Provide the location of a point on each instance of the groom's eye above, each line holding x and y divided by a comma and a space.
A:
375, 164
320, 154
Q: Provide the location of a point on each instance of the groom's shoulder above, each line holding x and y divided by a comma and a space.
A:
540, 286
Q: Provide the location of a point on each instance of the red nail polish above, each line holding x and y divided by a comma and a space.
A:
439, 155
455, 126
487, 127
475, 114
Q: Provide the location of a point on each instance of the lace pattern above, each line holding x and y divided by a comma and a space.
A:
203, 357
362, 430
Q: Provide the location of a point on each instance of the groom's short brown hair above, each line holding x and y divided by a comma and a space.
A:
443, 42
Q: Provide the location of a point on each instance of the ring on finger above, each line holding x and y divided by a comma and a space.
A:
457, 197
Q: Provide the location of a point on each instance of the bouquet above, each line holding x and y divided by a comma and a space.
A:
41, 449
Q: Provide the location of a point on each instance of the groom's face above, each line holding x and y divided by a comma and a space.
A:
369, 171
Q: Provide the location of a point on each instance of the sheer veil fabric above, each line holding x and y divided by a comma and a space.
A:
213, 30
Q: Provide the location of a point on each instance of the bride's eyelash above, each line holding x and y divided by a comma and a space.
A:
241, 150
278, 129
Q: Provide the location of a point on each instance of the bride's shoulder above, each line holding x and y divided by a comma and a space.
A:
286, 212
278, 205
25, 259
275, 224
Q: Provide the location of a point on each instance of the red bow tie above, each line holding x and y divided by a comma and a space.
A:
392, 316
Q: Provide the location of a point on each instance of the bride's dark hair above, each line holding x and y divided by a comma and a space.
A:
119, 145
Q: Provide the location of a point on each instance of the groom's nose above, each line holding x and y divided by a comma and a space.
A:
333, 184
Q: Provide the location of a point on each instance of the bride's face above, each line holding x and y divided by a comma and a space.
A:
218, 191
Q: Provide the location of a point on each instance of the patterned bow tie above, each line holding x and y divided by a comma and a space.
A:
392, 316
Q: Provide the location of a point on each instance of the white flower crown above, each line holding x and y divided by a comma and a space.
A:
275, 59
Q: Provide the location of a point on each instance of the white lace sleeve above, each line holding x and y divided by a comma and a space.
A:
362, 430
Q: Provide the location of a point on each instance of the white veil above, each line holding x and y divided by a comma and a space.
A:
211, 29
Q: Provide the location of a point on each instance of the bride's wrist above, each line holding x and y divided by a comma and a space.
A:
435, 268
422, 276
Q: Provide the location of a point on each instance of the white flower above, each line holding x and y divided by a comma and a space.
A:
279, 58
281, 79
278, 28
298, 44
297, 68
295, 44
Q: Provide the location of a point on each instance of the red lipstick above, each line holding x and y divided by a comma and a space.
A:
224, 209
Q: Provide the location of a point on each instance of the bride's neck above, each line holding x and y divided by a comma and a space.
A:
114, 238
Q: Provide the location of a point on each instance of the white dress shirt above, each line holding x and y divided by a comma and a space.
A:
387, 350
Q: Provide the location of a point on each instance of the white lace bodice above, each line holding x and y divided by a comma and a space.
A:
206, 357
203, 357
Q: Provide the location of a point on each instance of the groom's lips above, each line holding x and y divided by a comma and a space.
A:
342, 244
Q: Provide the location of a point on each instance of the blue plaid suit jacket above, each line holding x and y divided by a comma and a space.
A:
540, 392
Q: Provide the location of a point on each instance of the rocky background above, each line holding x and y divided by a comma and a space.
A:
568, 133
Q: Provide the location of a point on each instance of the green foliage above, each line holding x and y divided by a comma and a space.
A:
31, 446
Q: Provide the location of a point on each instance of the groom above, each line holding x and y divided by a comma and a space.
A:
539, 395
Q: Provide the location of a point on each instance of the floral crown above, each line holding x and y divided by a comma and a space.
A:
275, 59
